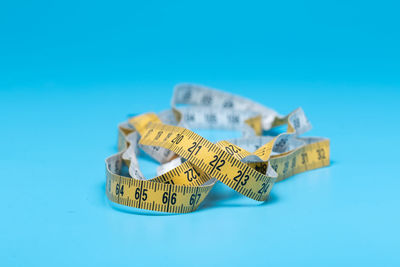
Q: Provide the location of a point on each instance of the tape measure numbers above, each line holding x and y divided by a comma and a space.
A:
191, 165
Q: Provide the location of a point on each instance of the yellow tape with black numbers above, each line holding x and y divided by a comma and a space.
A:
190, 164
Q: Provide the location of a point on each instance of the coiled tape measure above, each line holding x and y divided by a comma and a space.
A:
190, 165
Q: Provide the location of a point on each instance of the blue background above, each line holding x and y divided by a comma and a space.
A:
70, 71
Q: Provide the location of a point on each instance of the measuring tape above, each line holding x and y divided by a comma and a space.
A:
190, 165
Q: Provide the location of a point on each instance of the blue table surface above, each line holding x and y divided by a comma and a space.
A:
69, 73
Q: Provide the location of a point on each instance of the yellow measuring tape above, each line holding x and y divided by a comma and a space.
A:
190, 165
